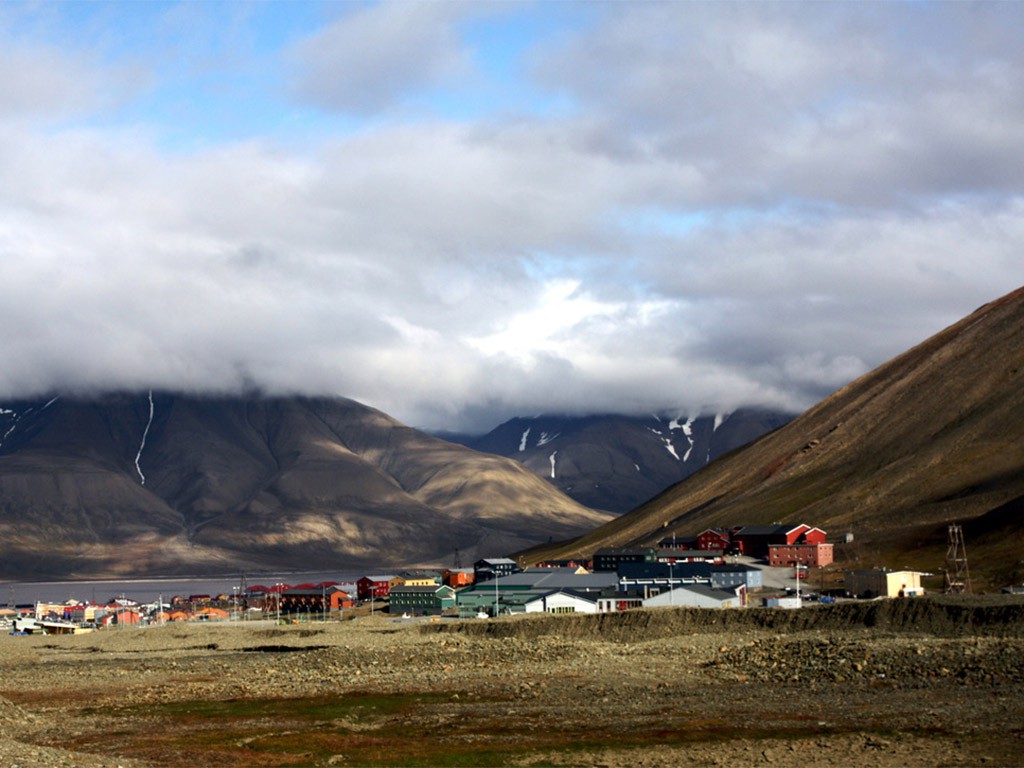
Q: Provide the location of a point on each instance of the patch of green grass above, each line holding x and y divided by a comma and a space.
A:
410, 730
356, 707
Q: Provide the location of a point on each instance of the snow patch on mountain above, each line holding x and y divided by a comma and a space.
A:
719, 418
142, 445
551, 458
687, 428
522, 440
546, 438
14, 423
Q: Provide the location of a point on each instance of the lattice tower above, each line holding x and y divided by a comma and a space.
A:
958, 577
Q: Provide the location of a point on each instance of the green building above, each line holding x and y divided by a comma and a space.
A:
418, 601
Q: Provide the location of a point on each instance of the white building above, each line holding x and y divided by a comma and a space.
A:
561, 601
699, 596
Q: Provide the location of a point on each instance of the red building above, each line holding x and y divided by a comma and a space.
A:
714, 538
812, 555
374, 587
754, 540
315, 600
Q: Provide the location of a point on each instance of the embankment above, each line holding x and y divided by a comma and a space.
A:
933, 616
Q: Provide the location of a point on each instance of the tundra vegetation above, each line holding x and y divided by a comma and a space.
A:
918, 682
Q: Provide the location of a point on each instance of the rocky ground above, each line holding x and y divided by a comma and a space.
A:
891, 683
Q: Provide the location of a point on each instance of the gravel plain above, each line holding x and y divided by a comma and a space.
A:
892, 683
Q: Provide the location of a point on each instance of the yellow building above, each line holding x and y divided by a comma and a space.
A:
415, 579
883, 583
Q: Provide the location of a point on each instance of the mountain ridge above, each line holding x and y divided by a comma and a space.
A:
616, 462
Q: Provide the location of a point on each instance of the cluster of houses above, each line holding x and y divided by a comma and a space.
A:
119, 612
698, 571
780, 545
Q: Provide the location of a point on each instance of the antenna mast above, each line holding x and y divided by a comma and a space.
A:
958, 578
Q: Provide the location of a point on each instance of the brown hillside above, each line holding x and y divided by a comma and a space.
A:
934, 436
171, 484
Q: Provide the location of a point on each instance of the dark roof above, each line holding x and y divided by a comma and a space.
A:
677, 541
689, 552
612, 551
663, 570
766, 530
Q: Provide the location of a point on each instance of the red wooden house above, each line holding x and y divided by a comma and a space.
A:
374, 586
713, 538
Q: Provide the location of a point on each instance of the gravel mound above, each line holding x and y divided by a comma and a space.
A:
935, 616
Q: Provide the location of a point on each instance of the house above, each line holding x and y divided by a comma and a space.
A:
609, 559
730, 575
878, 583
457, 578
425, 600
121, 617
374, 587
754, 540
315, 601
714, 538
493, 567
699, 596
209, 613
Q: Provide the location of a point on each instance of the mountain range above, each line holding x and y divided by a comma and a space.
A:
615, 462
933, 438
160, 483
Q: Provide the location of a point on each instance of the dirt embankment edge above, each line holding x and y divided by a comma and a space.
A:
938, 617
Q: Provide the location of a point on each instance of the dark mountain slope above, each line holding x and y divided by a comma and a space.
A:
617, 462
935, 435
134, 484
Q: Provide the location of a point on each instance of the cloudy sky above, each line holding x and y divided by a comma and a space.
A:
462, 211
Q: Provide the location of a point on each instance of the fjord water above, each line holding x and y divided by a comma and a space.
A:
150, 590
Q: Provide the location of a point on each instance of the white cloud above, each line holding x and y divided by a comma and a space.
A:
745, 205
372, 57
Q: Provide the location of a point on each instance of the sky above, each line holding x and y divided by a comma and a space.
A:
459, 212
